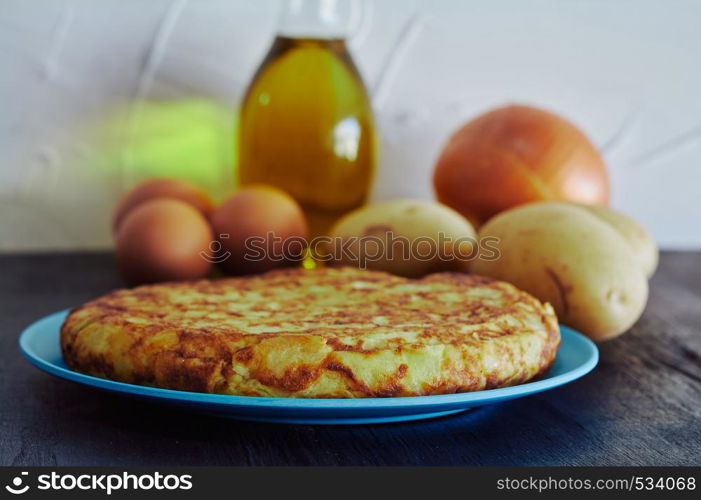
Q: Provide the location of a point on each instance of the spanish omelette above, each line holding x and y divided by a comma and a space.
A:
323, 333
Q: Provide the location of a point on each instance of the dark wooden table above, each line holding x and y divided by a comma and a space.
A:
640, 406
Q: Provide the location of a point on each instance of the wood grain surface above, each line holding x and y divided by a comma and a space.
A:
640, 406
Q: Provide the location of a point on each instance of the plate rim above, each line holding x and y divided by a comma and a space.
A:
478, 397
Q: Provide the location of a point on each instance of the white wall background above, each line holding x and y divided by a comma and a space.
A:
628, 72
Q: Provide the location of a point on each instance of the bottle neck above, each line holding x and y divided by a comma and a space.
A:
325, 19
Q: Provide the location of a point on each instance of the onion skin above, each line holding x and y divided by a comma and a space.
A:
515, 155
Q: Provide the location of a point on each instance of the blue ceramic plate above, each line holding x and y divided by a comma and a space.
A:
576, 357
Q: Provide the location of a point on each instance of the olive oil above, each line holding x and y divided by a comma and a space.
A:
306, 127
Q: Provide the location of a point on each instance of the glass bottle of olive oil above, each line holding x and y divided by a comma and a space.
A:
306, 123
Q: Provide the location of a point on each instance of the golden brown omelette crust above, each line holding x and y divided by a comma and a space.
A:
326, 333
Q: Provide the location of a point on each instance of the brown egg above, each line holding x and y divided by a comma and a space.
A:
161, 188
163, 240
259, 228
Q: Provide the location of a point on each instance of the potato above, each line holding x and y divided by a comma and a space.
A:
567, 256
643, 247
404, 237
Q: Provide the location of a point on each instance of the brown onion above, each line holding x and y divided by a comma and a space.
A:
515, 155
